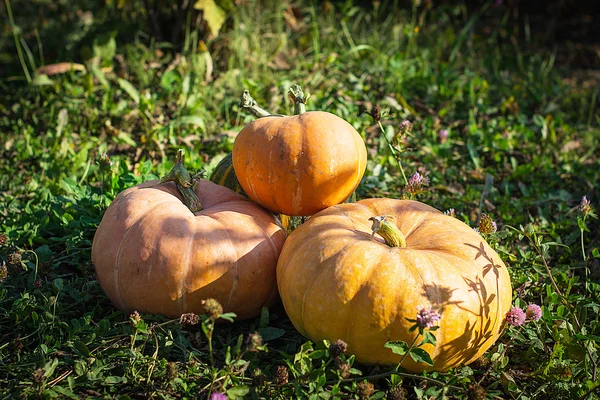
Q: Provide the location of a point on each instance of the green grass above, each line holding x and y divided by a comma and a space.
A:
523, 146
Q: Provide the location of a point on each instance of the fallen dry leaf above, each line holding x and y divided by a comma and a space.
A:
60, 68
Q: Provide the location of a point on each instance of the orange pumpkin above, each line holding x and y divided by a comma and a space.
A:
338, 282
152, 254
301, 164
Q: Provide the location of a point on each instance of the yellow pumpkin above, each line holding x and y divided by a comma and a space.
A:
338, 282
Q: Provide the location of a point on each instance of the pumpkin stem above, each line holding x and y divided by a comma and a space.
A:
250, 105
297, 96
185, 183
388, 230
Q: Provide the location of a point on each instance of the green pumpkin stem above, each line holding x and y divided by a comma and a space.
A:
249, 104
185, 183
297, 96
388, 231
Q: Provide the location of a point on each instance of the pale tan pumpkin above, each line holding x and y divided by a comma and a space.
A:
152, 254
336, 282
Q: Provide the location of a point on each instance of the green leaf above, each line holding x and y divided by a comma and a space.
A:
238, 391
103, 327
105, 46
213, 15
398, 347
142, 327
169, 79
474, 155
321, 380
82, 348
124, 137
97, 72
65, 392
428, 338
50, 367
228, 316
130, 89
264, 317
433, 392
228, 355
420, 355
581, 224
594, 338
270, 333
540, 122
508, 382
80, 368
63, 119
113, 380
58, 284
42, 80
315, 355
239, 343
44, 253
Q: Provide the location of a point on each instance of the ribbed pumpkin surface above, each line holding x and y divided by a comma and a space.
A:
301, 164
338, 283
152, 254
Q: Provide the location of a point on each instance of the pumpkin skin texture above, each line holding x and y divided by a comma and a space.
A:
301, 164
224, 175
152, 254
337, 283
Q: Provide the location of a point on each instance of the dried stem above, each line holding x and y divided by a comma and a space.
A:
299, 98
249, 104
185, 183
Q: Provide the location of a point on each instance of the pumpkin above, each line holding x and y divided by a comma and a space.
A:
152, 254
224, 175
300, 164
338, 281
